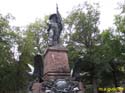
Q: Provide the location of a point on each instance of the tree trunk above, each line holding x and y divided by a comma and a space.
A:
115, 79
94, 85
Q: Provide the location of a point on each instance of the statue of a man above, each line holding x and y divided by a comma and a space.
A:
54, 29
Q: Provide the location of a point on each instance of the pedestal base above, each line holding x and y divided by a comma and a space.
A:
36, 88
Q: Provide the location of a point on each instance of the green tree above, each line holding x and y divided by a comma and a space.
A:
83, 24
32, 41
112, 56
101, 53
7, 61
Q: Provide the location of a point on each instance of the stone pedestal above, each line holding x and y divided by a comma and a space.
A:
36, 88
56, 63
56, 67
81, 87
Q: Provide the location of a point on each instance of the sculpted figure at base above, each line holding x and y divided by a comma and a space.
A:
54, 28
38, 68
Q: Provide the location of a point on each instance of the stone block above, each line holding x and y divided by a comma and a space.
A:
56, 62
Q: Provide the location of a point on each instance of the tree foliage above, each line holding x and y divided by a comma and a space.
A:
98, 53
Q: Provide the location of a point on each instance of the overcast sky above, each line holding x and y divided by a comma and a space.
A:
26, 11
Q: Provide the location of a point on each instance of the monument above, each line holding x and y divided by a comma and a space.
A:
56, 71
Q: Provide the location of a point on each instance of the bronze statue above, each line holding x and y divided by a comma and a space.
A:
54, 28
